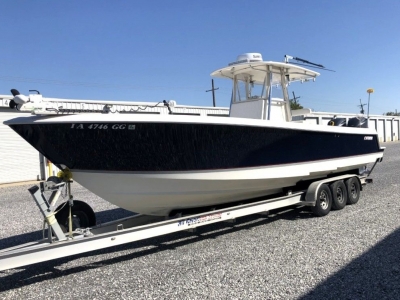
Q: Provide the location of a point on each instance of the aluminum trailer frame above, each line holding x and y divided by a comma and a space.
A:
139, 227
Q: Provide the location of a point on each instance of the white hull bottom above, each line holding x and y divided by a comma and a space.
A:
157, 193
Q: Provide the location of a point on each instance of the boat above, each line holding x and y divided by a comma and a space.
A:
159, 164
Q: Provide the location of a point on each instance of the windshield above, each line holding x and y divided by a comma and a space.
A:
248, 90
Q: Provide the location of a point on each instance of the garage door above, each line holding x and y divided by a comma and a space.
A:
19, 161
381, 130
388, 130
396, 130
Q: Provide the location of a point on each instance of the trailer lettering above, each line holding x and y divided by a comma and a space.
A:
199, 220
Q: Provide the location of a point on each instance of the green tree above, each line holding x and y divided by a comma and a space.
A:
390, 113
294, 104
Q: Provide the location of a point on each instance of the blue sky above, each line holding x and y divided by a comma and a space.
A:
155, 50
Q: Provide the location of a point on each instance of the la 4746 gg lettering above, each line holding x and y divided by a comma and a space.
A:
103, 126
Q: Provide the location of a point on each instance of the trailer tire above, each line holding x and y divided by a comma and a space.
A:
339, 195
353, 190
83, 216
323, 203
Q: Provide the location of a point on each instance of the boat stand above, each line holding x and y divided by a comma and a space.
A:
47, 208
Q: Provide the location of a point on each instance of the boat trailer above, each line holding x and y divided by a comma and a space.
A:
319, 195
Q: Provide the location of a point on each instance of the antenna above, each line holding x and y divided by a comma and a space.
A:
361, 106
305, 63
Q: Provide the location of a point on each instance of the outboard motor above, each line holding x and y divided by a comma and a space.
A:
18, 100
13, 104
30, 102
337, 121
358, 122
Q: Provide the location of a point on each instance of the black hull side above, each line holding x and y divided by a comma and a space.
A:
141, 147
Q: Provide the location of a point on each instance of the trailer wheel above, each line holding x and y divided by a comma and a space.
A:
353, 190
323, 203
339, 195
83, 216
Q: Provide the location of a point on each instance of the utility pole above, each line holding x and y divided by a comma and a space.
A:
212, 90
295, 98
294, 104
361, 106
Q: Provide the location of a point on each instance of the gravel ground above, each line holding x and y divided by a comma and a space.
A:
349, 254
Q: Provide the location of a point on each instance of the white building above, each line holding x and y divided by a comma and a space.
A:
387, 126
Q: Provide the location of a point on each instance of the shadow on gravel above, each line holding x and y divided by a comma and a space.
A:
112, 214
49, 270
376, 272
102, 217
373, 275
292, 214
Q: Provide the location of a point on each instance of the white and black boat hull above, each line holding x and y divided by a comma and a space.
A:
153, 165
160, 193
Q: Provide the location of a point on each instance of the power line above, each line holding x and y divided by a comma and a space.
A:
91, 84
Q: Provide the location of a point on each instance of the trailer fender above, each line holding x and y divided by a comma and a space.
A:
311, 194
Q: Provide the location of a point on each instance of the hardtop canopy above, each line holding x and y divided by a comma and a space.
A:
258, 70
